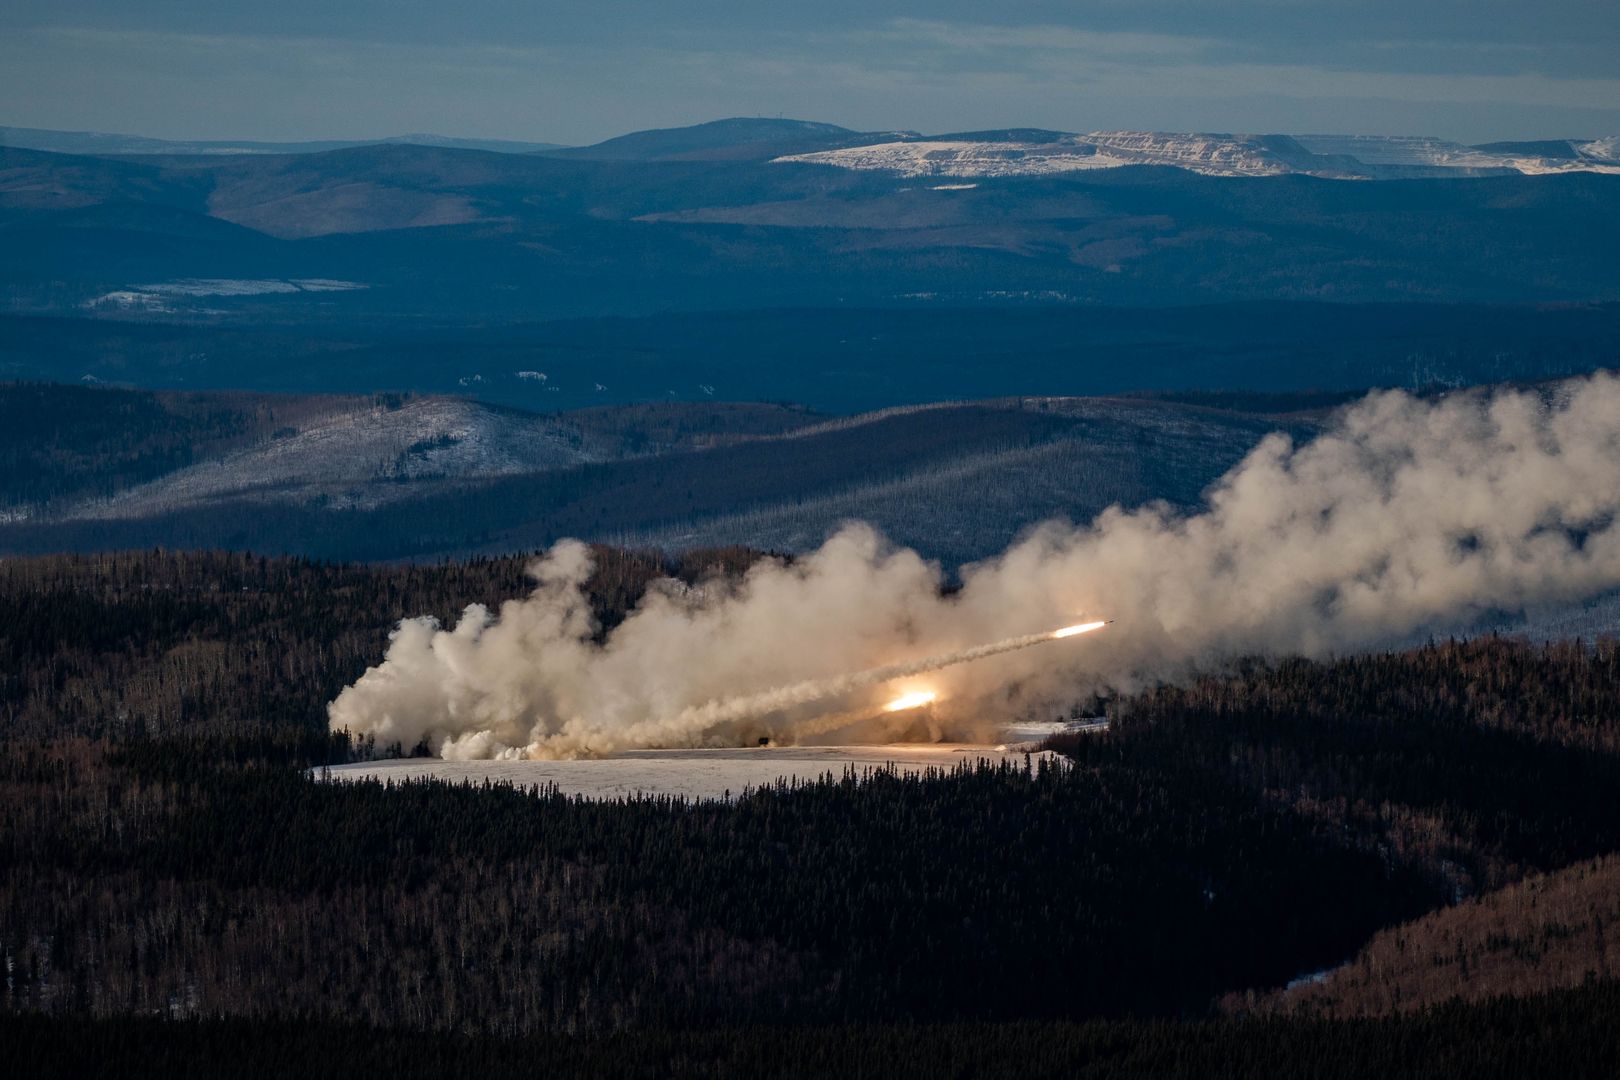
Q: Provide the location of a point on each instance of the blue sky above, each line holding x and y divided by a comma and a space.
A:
575, 71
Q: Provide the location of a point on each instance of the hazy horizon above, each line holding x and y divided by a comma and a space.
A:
541, 139
572, 73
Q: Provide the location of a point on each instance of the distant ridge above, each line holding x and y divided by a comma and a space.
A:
734, 139
95, 143
1013, 151
734, 215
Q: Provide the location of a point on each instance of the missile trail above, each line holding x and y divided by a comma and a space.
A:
1404, 516
753, 706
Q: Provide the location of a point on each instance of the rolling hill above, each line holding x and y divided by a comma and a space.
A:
722, 217
735, 139
396, 477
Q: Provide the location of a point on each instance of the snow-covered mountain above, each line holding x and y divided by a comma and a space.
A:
1409, 155
1365, 157
1606, 151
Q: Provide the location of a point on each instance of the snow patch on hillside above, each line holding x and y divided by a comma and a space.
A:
128, 300
247, 286
1606, 151
1398, 155
950, 158
1212, 155
364, 457
1337, 156
159, 296
1401, 150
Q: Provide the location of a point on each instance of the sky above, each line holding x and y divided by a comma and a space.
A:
577, 71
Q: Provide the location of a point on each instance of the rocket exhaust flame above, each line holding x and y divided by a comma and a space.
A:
914, 700
703, 718
1403, 516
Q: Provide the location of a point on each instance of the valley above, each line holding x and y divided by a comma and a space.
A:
772, 597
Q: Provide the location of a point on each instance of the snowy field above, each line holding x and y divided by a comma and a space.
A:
691, 774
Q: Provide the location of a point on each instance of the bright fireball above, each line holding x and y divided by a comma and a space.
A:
915, 699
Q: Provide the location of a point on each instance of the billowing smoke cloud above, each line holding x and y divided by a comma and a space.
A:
1407, 515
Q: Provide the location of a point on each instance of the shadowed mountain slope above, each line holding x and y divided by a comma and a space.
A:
391, 478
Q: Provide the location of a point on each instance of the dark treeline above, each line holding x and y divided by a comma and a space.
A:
226, 644
1489, 757
68, 440
165, 852
148, 879
1572, 1034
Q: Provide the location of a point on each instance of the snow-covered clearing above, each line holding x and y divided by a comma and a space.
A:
690, 774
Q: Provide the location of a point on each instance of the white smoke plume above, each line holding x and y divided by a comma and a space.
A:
1406, 515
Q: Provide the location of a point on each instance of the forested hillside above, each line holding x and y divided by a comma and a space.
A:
72, 442
1549, 930
165, 852
170, 644
392, 476
1573, 1035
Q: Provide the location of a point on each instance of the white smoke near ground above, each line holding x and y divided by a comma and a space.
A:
1406, 515
726, 713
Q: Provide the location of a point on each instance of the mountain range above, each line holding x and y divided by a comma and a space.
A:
762, 259
1008, 152
97, 143
749, 215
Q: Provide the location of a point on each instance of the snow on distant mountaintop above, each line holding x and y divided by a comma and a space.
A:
1605, 150
1416, 155
1216, 155
1412, 150
1400, 150
1221, 155
929, 157
986, 153
1337, 156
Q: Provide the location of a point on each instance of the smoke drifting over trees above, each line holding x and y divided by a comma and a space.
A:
1405, 515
